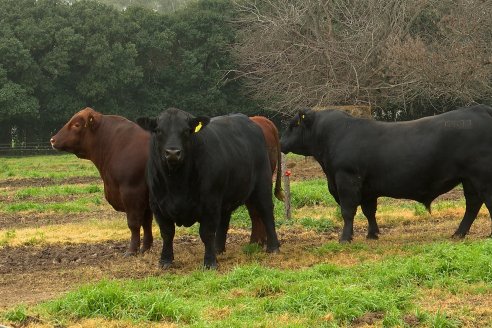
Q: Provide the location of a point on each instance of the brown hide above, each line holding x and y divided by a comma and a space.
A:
119, 150
258, 233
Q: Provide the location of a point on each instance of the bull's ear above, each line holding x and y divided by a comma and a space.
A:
305, 117
147, 123
92, 121
198, 123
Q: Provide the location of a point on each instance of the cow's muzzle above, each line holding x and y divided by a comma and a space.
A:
52, 141
173, 155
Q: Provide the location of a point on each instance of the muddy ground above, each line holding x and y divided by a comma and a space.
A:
30, 274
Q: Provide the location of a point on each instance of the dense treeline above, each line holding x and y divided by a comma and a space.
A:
403, 58
57, 57
157, 5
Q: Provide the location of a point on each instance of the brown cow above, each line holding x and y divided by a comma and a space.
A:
119, 149
258, 232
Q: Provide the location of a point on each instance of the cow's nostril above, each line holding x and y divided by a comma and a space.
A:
52, 140
173, 154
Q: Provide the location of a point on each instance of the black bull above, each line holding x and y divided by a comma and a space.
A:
201, 170
419, 160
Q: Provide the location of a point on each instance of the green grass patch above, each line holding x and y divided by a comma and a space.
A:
310, 193
255, 295
56, 167
17, 314
82, 204
63, 190
318, 225
252, 249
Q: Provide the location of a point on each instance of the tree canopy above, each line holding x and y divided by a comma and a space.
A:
57, 57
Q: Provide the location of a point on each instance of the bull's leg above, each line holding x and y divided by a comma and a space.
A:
258, 231
333, 190
148, 239
369, 208
488, 203
134, 222
473, 205
167, 233
261, 202
349, 193
221, 233
207, 234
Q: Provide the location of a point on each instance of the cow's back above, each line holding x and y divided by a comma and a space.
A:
270, 133
417, 159
239, 156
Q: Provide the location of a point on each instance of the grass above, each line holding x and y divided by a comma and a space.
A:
58, 190
82, 204
252, 295
55, 167
415, 281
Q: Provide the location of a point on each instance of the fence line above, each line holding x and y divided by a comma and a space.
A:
26, 149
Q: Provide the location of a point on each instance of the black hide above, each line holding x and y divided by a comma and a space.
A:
200, 170
419, 160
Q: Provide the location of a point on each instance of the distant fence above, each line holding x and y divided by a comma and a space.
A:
27, 149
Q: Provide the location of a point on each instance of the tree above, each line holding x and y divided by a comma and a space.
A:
405, 58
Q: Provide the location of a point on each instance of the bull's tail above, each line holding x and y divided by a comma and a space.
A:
279, 194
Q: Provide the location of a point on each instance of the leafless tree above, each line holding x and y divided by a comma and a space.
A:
297, 53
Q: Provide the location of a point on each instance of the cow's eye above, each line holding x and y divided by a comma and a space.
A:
77, 125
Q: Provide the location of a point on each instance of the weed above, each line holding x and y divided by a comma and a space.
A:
38, 238
17, 314
318, 225
441, 320
8, 236
420, 210
252, 249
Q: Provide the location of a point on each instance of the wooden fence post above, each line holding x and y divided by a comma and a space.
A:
286, 182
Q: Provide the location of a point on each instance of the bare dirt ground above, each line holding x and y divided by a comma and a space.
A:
42, 182
30, 274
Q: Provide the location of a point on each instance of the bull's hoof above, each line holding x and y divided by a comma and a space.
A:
458, 235
275, 250
165, 265
144, 249
210, 266
130, 253
260, 242
372, 236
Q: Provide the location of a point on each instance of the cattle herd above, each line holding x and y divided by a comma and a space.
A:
184, 169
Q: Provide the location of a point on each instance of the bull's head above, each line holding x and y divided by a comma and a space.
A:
73, 136
172, 133
297, 136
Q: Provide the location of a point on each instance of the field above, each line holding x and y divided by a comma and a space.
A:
62, 264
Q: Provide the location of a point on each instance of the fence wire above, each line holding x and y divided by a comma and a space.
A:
27, 149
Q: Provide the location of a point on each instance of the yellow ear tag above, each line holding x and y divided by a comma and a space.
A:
90, 121
299, 120
198, 127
